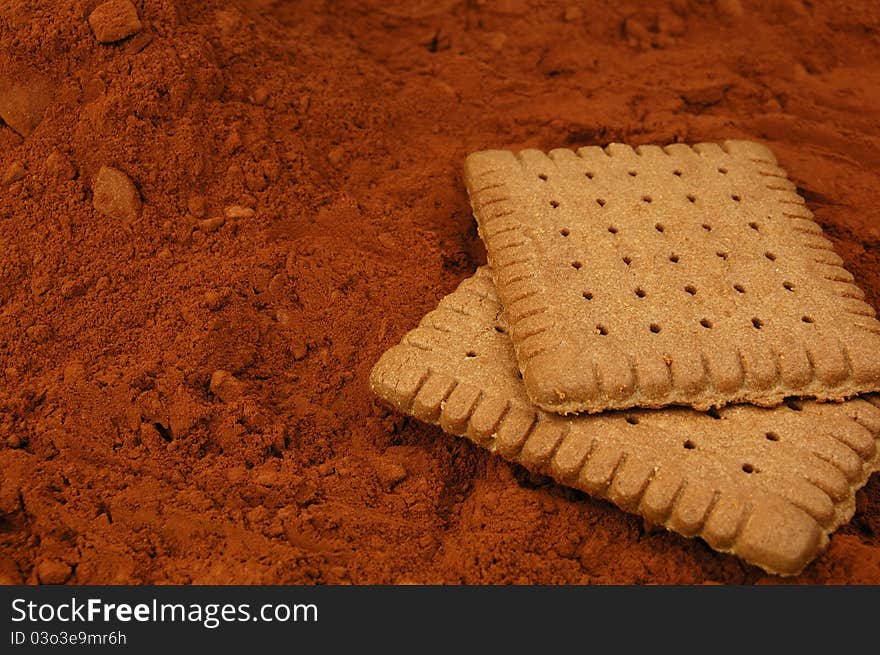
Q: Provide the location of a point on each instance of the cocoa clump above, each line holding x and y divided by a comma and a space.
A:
114, 20
115, 195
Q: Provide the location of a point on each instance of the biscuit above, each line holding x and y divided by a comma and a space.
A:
768, 485
676, 275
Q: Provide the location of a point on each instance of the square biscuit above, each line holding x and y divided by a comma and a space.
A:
649, 276
768, 485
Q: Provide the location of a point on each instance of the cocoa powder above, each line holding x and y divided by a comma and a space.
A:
183, 392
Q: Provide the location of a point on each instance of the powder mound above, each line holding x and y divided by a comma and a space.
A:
115, 20
115, 195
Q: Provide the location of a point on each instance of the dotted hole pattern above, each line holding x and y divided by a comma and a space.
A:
674, 258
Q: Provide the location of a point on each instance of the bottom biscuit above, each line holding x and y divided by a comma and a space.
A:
768, 485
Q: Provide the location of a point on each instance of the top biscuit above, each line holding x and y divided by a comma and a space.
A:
654, 276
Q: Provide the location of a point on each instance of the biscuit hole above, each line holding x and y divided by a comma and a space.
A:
689, 445
654, 328
706, 323
612, 229
632, 173
470, 353
723, 254
519, 375
739, 288
554, 204
771, 436
659, 227
627, 260
676, 172
757, 323
691, 289
640, 292
754, 226
748, 468
576, 265
647, 198
807, 319
691, 197
735, 198
600, 202
590, 175
632, 420
565, 231
714, 413
587, 295
707, 227
601, 329
542, 177
788, 286
674, 258
722, 170
499, 329
794, 405
770, 256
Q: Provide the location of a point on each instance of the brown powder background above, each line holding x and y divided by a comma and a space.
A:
345, 127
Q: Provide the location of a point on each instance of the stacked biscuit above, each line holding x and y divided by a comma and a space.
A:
658, 327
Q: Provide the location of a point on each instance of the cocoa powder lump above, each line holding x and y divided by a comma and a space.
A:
115, 195
114, 20
338, 134
24, 96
